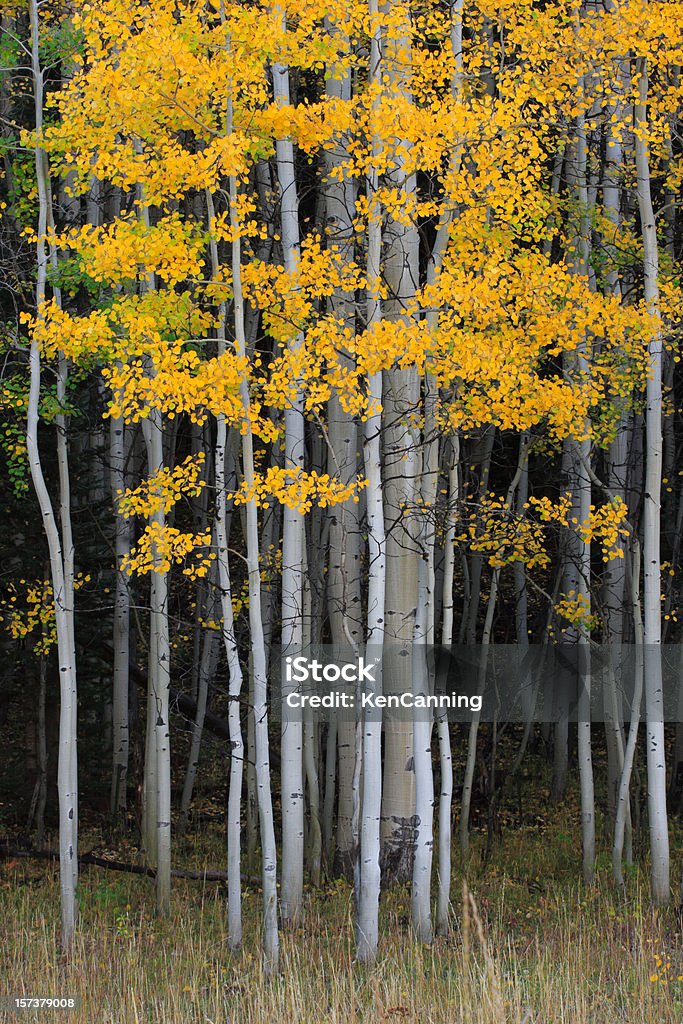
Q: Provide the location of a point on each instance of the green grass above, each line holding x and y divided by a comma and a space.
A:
528, 947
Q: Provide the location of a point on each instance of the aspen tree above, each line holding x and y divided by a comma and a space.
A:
291, 771
401, 471
367, 912
60, 544
652, 612
344, 597
578, 576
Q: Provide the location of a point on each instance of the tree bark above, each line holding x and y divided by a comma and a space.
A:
652, 625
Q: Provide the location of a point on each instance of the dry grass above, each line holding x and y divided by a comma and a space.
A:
524, 949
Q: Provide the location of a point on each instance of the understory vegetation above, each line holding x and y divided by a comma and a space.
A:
529, 943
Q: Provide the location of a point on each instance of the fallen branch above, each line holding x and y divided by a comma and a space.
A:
8, 852
179, 701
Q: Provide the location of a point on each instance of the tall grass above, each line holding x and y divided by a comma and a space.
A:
524, 948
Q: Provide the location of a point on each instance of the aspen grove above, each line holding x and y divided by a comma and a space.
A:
351, 324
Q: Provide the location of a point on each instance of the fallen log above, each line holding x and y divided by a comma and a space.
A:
179, 701
8, 852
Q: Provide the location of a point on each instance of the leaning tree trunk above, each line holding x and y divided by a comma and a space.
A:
207, 669
622, 811
61, 560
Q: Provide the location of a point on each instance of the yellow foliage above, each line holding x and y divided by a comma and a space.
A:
161, 491
296, 489
159, 547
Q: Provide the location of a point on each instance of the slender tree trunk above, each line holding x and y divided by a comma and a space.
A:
329, 796
424, 636
310, 744
271, 941
622, 812
122, 540
652, 631
291, 770
42, 755
453, 457
401, 466
156, 815
367, 919
583, 504
443, 729
344, 602
485, 643
235, 680
480, 456
207, 669
59, 546
158, 749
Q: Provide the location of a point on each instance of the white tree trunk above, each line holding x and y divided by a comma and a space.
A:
310, 744
157, 822
234, 692
578, 574
443, 730
423, 636
401, 468
291, 769
367, 920
622, 810
61, 559
157, 773
271, 941
652, 631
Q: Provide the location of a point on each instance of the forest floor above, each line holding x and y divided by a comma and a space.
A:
534, 946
